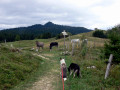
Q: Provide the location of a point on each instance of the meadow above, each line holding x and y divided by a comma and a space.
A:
19, 70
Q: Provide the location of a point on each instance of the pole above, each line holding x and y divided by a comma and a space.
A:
108, 66
64, 42
73, 48
69, 43
5, 41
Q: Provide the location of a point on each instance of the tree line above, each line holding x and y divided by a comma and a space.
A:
39, 31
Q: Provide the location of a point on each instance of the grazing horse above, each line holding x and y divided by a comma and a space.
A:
53, 44
75, 41
39, 44
85, 41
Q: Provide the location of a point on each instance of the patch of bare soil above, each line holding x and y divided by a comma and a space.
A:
45, 82
49, 55
41, 56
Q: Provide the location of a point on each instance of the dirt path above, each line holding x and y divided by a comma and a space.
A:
41, 56
46, 82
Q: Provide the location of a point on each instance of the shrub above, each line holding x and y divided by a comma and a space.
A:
99, 33
113, 46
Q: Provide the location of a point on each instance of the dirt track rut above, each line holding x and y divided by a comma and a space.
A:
45, 82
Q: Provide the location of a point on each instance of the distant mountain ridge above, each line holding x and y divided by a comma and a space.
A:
31, 32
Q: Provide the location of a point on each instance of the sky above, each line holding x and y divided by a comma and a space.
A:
102, 14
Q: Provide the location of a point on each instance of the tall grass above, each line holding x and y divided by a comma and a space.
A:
16, 67
92, 78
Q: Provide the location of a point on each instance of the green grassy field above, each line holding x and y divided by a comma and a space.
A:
20, 70
17, 68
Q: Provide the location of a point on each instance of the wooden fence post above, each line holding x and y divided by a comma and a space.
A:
64, 42
69, 43
94, 44
64, 33
108, 66
5, 41
73, 44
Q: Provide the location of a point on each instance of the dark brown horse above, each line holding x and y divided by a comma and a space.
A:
53, 44
39, 44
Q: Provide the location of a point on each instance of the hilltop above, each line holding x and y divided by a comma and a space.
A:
45, 31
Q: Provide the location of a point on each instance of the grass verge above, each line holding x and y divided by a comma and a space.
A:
17, 68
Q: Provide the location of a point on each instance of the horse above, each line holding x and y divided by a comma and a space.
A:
53, 44
75, 41
39, 44
84, 42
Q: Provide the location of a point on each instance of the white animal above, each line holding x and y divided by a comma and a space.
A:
75, 41
11, 46
64, 68
62, 62
91, 67
85, 41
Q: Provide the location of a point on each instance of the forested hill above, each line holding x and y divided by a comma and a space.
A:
47, 30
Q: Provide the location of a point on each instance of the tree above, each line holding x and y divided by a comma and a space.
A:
113, 45
17, 38
46, 35
60, 35
99, 33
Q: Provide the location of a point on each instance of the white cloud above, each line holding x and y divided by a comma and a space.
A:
2, 26
87, 13
109, 16
5, 1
